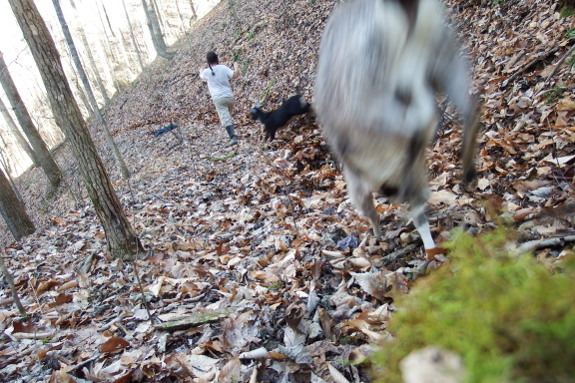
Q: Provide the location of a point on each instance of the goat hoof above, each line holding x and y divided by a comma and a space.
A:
431, 253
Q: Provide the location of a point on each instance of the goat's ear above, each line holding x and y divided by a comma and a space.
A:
258, 105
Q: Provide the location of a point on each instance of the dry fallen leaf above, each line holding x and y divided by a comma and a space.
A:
114, 345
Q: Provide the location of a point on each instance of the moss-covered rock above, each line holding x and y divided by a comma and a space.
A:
508, 317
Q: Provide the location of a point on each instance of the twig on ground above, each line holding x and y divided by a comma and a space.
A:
400, 253
95, 356
544, 243
569, 52
535, 60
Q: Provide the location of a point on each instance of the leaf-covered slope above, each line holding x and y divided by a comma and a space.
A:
263, 236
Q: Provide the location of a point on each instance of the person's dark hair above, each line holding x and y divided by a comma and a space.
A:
212, 58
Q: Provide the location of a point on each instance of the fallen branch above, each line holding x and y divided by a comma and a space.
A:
569, 52
535, 60
544, 243
400, 253
194, 319
82, 364
33, 335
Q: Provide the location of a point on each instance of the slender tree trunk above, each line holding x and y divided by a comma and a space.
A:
6, 166
158, 14
80, 92
47, 162
193, 9
156, 31
91, 58
89, 93
13, 211
111, 58
133, 37
10, 281
19, 137
116, 46
122, 239
181, 17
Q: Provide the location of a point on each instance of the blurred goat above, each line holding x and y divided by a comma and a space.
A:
276, 119
381, 64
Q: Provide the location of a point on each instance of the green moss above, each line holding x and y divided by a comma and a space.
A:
507, 316
276, 286
229, 155
567, 10
555, 94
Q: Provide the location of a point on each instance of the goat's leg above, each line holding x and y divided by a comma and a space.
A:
422, 225
362, 198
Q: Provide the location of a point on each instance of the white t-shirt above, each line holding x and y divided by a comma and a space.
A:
219, 85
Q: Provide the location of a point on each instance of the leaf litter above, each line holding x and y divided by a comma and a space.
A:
259, 269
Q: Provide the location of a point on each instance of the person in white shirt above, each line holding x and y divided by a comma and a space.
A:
218, 78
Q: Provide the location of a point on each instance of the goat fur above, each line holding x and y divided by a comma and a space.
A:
284, 115
381, 64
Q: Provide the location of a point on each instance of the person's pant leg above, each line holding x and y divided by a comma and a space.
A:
225, 108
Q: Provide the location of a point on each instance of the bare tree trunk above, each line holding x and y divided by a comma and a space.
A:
47, 162
75, 83
122, 58
158, 14
89, 93
111, 58
193, 9
19, 137
91, 58
13, 211
156, 31
122, 239
6, 166
181, 17
134, 42
10, 282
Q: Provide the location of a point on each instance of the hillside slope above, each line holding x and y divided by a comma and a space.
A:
261, 239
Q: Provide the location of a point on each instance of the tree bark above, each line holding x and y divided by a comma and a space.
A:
122, 239
89, 93
156, 31
19, 137
47, 162
13, 211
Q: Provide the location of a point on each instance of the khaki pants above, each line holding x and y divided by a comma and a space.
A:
225, 108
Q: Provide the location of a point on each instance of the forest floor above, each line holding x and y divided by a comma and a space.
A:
256, 248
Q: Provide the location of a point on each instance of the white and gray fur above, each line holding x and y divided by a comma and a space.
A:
381, 64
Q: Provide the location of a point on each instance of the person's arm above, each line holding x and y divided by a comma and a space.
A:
202, 73
236, 71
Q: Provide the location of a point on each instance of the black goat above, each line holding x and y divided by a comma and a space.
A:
276, 119
381, 63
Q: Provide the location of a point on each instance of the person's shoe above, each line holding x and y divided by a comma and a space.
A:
232, 134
